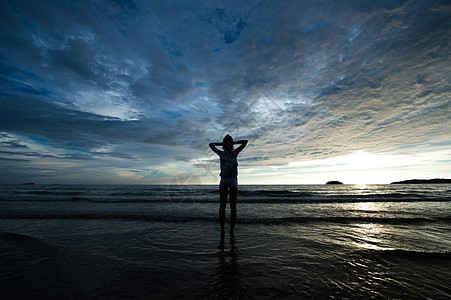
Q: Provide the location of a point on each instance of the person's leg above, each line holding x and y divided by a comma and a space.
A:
222, 206
233, 200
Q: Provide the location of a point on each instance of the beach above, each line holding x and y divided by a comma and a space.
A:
291, 242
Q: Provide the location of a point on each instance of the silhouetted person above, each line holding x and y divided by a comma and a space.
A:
229, 181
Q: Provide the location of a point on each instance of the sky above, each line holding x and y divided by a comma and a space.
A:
132, 92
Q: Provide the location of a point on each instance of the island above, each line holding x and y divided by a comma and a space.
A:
423, 181
334, 182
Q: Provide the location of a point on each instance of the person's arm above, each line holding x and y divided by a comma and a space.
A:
213, 147
241, 147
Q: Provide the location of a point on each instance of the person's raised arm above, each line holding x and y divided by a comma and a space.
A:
241, 147
213, 147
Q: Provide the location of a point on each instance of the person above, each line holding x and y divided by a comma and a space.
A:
229, 181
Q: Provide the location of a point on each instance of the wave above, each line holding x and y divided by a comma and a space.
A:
326, 194
210, 194
22, 239
271, 193
56, 193
179, 218
290, 196
187, 198
10, 236
131, 194
415, 254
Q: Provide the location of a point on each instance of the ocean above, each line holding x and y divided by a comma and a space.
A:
161, 242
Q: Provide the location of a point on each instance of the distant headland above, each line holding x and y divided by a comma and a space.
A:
423, 181
334, 182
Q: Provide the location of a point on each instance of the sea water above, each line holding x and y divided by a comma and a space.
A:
290, 242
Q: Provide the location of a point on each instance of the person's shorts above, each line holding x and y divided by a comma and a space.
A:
228, 183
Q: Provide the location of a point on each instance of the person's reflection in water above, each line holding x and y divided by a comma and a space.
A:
227, 285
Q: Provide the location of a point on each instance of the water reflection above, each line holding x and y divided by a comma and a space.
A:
366, 206
228, 274
362, 187
368, 235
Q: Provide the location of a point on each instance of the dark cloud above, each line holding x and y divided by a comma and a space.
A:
13, 159
300, 79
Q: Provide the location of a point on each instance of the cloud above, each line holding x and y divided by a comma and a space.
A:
300, 80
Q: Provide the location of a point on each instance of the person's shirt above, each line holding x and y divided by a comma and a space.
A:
229, 164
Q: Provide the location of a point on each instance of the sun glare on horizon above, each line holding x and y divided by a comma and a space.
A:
360, 167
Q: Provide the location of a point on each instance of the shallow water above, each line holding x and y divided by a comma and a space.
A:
111, 247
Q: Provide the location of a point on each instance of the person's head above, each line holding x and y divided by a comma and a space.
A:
227, 142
